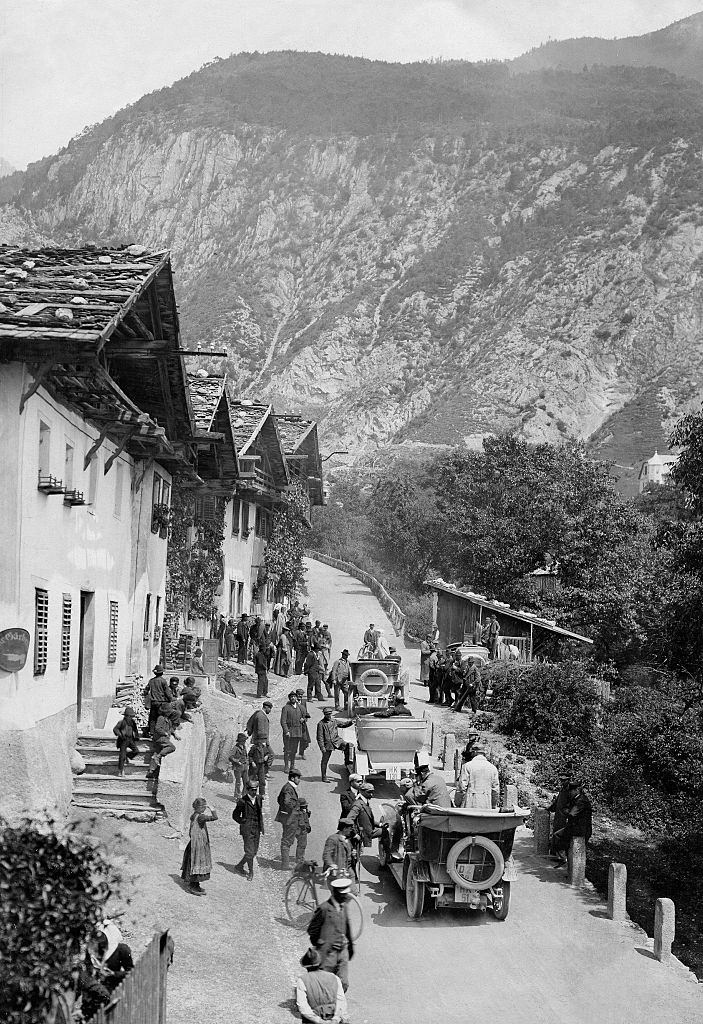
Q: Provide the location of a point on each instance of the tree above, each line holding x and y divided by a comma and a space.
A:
283, 558
403, 511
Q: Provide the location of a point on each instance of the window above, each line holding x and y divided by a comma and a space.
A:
93, 468
112, 633
157, 624
206, 508
41, 630
236, 515
240, 598
65, 632
118, 490
147, 616
161, 491
257, 521
44, 449
165, 492
245, 519
68, 467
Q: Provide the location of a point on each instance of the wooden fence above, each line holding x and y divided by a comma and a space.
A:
141, 998
385, 600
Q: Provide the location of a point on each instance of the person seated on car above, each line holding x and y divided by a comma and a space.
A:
432, 789
396, 710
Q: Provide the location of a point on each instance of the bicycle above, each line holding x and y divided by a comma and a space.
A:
301, 898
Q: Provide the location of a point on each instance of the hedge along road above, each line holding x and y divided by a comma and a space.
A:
555, 959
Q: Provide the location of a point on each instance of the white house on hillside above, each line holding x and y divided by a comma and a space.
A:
656, 469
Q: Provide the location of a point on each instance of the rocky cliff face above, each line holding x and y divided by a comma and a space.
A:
421, 287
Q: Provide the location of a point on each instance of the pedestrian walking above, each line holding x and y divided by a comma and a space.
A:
287, 816
330, 931
319, 995
337, 851
362, 817
238, 759
340, 676
261, 669
127, 735
303, 830
312, 667
250, 817
304, 718
197, 859
328, 740
292, 730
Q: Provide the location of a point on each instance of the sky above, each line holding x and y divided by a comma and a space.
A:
65, 64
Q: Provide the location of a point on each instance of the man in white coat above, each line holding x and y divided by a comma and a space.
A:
482, 785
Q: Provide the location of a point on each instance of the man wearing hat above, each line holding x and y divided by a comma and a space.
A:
337, 852
158, 692
127, 735
319, 995
259, 725
304, 717
249, 816
328, 739
347, 799
560, 808
313, 667
340, 674
361, 815
483, 788
432, 789
330, 931
292, 730
396, 710
288, 807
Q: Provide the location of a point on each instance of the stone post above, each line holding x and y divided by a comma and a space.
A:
449, 749
664, 928
511, 798
541, 818
576, 859
617, 891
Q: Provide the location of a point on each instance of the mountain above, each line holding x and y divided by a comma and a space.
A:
677, 48
414, 254
5, 168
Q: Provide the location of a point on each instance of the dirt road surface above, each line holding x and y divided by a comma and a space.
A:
555, 960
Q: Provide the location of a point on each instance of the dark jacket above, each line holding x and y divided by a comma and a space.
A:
238, 758
261, 661
290, 721
560, 805
347, 801
288, 803
243, 629
159, 690
249, 816
337, 852
580, 816
330, 929
163, 730
327, 735
394, 711
362, 816
313, 668
259, 726
126, 730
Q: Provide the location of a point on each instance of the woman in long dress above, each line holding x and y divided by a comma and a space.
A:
197, 860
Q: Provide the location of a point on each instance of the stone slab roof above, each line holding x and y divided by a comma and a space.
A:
292, 430
205, 393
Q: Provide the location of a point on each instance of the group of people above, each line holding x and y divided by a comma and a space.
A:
169, 703
453, 682
573, 816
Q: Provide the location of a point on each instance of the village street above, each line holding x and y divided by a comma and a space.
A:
555, 959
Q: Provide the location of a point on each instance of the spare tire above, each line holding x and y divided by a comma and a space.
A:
369, 675
486, 844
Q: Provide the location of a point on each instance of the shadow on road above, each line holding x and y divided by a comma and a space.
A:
551, 873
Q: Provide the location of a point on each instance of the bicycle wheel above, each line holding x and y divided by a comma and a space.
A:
356, 917
300, 902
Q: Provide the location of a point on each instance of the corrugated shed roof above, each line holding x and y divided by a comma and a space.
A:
71, 294
205, 393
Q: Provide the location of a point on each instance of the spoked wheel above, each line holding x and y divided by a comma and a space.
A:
414, 894
356, 917
383, 854
501, 900
300, 902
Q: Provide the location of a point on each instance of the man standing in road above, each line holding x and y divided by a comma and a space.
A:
249, 816
347, 799
361, 815
259, 725
312, 667
260, 753
242, 637
330, 931
470, 687
287, 816
340, 675
261, 669
327, 740
292, 730
483, 783
304, 719
337, 852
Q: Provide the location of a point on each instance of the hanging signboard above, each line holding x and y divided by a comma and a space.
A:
14, 644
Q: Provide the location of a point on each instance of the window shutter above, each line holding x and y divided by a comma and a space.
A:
41, 630
65, 632
112, 633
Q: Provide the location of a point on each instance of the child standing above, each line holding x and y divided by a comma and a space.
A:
239, 759
304, 829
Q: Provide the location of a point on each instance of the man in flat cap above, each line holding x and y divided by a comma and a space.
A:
340, 675
291, 725
337, 852
328, 739
288, 814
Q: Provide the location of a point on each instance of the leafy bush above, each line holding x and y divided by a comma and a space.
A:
53, 887
547, 702
418, 616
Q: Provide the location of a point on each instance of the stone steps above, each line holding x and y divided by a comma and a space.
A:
101, 789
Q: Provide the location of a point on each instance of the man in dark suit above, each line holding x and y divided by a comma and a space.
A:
249, 816
361, 815
291, 725
337, 852
347, 799
287, 816
304, 717
330, 931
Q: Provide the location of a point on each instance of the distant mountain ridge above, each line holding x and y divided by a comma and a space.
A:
416, 255
677, 48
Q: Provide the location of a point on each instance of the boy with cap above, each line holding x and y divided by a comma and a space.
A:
319, 994
238, 759
249, 816
330, 931
127, 735
288, 808
303, 830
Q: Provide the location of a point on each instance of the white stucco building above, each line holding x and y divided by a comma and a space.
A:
656, 469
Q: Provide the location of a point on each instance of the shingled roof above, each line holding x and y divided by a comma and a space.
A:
293, 430
247, 420
205, 394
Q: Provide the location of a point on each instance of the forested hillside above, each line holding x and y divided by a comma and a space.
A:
414, 254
